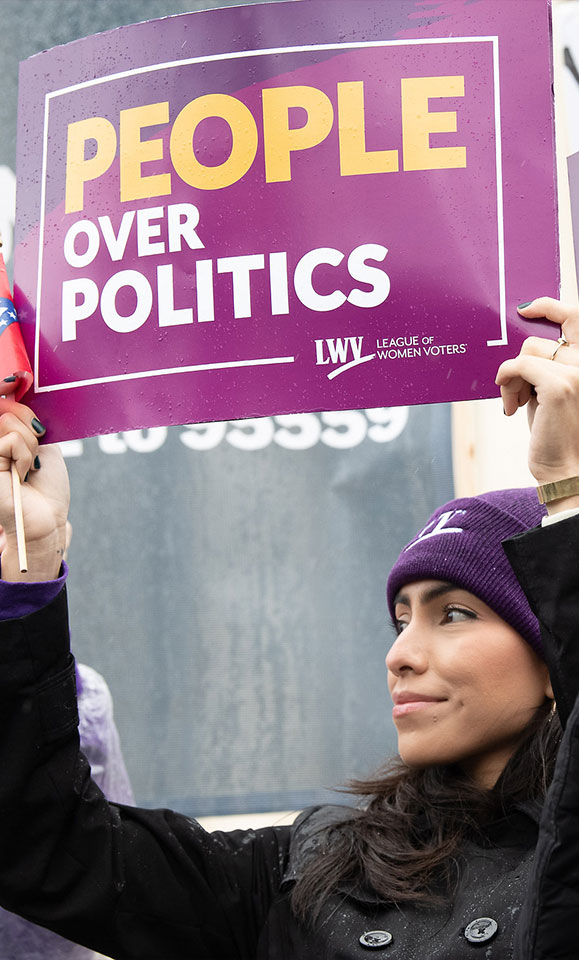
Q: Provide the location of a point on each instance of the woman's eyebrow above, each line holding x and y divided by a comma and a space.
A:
427, 595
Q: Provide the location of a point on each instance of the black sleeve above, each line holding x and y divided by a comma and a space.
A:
133, 884
546, 562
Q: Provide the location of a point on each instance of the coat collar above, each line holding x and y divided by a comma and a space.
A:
507, 839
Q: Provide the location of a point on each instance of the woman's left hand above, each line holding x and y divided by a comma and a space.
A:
549, 386
44, 493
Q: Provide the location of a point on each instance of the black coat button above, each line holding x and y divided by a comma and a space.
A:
376, 939
481, 929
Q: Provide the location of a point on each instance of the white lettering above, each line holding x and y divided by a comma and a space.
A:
346, 429
144, 301
278, 283
338, 349
116, 245
168, 315
320, 353
204, 284
303, 280
182, 219
299, 431
146, 230
360, 270
72, 309
240, 269
438, 528
92, 243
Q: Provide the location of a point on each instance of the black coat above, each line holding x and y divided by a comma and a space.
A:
153, 885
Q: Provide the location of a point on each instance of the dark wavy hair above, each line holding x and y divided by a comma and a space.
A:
405, 841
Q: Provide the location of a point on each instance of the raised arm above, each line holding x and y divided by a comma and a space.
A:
133, 884
545, 376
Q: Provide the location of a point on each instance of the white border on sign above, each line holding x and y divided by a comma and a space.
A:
238, 56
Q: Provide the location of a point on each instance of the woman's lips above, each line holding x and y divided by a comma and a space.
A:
405, 704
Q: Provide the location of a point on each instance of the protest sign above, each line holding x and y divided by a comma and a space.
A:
283, 207
275, 653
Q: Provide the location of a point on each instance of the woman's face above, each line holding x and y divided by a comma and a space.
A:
464, 683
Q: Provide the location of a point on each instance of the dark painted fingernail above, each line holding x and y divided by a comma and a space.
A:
37, 426
10, 379
523, 305
36, 463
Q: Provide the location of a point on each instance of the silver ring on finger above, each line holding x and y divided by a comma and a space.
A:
561, 342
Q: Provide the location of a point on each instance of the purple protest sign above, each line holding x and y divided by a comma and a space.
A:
283, 207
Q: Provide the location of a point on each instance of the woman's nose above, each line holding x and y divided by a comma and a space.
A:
407, 653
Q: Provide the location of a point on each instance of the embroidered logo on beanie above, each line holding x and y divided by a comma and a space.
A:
438, 527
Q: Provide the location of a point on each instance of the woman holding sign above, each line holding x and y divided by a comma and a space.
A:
469, 839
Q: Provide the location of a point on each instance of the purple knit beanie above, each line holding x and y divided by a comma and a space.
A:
461, 543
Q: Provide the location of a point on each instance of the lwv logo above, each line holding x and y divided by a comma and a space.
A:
338, 351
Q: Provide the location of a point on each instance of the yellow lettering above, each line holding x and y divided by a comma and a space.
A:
418, 123
79, 170
135, 152
354, 159
280, 141
243, 150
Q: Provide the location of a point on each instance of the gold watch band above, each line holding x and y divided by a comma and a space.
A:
558, 489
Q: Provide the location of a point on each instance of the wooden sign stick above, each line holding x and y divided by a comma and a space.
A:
19, 519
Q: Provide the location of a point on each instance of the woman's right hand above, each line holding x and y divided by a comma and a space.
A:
45, 495
548, 383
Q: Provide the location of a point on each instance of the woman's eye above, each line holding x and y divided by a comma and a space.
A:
399, 626
458, 615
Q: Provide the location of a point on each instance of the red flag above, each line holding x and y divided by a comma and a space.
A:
14, 360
